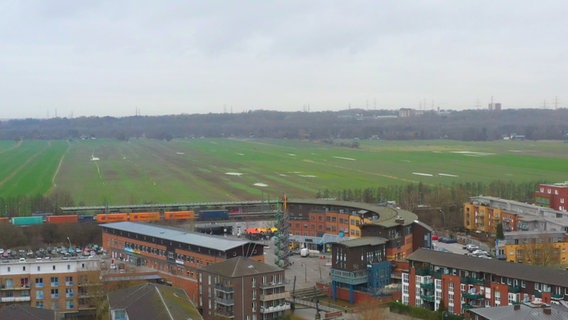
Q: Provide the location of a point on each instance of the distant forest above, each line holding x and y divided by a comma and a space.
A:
405, 124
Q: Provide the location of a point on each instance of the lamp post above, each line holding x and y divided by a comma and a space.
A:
69, 243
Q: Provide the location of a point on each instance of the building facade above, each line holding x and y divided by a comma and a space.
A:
483, 213
554, 196
64, 286
465, 282
175, 253
534, 247
359, 265
242, 289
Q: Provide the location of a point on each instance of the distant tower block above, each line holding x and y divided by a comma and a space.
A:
495, 106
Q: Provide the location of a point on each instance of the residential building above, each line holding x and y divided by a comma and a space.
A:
242, 289
483, 213
466, 282
64, 286
151, 301
174, 252
554, 196
534, 247
315, 219
359, 265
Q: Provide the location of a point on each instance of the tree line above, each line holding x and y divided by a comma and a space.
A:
468, 125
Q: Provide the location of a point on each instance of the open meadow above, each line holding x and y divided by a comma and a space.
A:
99, 172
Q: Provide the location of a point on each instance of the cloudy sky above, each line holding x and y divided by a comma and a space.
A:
83, 58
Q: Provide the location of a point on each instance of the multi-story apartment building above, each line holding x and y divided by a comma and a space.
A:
484, 213
553, 196
465, 282
65, 286
534, 247
175, 253
242, 289
359, 265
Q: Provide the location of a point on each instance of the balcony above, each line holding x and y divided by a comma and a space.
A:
69, 295
55, 296
427, 297
557, 296
224, 314
275, 296
69, 283
224, 302
469, 280
429, 285
15, 299
472, 296
55, 284
270, 285
347, 277
423, 272
513, 289
282, 307
222, 288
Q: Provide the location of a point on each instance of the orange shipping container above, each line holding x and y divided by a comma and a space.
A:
4, 220
62, 219
112, 217
144, 216
179, 215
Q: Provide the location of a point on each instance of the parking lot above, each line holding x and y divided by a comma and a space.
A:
47, 253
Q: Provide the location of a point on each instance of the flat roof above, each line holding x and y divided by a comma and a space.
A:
501, 268
365, 241
178, 235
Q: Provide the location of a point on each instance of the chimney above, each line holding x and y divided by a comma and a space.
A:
547, 311
516, 307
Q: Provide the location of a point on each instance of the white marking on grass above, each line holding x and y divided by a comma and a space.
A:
260, 184
307, 176
180, 153
291, 154
234, 173
448, 175
473, 153
344, 158
423, 174
282, 175
240, 154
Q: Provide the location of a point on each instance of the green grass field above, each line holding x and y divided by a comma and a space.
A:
143, 171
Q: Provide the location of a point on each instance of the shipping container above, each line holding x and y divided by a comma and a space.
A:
144, 216
4, 220
179, 215
85, 218
214, 215
62, 219
23, 221
111, 217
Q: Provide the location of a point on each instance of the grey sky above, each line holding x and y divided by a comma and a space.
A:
83, 58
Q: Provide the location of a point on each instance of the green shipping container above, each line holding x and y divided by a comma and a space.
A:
23, 221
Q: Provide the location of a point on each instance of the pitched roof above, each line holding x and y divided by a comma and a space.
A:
239, 267
524, 312
25, 312
497, 267
387, 216
153, 301
177, 234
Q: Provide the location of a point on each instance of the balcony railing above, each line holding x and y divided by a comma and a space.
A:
55, 284
39, 285
423, 272
513, 289
15, 299
357, 277
473, 296
429, 285
275, 296
282, 307
224, 314
425, 297
225, 302
69, 283
69, 295
220, 287
472, 281
269, 285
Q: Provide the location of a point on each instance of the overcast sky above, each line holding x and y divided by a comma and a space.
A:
84, 58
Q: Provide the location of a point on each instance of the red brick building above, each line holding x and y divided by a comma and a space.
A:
553, 196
